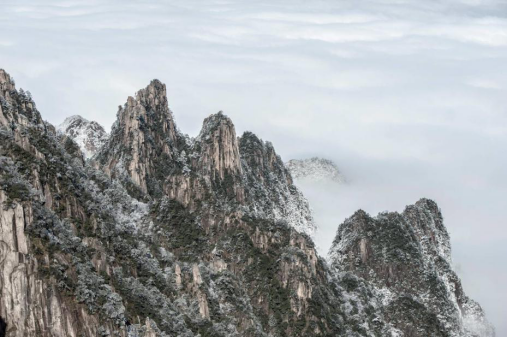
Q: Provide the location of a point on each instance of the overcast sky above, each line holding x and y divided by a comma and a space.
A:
408, 97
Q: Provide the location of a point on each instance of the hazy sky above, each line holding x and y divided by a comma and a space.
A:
408, 97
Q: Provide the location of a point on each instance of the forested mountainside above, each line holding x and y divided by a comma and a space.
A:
160, 234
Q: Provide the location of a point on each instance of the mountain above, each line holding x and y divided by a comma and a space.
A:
314, 170
160, 234
90, 136
405, 260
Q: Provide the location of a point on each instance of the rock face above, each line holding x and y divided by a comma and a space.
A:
406, 259
315, 169
89, 136
270, 188
144, 142
160, 234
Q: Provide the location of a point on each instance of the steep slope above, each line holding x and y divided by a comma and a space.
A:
89, 135
270, 188
315, 170
406, 258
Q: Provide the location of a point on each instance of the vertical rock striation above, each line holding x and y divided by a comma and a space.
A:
144, 141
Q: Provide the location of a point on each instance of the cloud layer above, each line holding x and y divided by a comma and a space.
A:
408, 97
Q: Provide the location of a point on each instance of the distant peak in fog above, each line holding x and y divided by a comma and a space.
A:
315, 169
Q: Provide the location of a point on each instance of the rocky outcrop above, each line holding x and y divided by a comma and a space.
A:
29, 305
90, 136
144, 142
269, 187
407, 259
216, 157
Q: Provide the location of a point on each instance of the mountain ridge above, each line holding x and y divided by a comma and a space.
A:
162, 235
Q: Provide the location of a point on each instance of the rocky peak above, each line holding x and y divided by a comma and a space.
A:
144, 141
428, 225
153, 97
269, 187
262, 158
89, 135
148, 113
315, 169
219, 147
406, 258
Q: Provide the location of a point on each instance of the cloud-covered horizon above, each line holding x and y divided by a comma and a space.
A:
408, 97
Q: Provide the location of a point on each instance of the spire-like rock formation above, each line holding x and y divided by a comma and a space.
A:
406, 258
218, 159
144, 141
219, 148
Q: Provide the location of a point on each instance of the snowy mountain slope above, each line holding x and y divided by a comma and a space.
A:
315, 169
89, 135
406, 259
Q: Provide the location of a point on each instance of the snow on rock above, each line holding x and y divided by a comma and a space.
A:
315, 169
406, 260
89, 135
269, 187
163, 235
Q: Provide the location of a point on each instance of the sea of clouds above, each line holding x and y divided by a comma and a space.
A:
409, 97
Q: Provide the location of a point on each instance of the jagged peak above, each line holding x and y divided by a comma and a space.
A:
421, 222
360, 214
429, 205
150, 108
16, 106
252, 148
250, 143
153, 95
151, 99
250, 140
423, 204
214, 121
